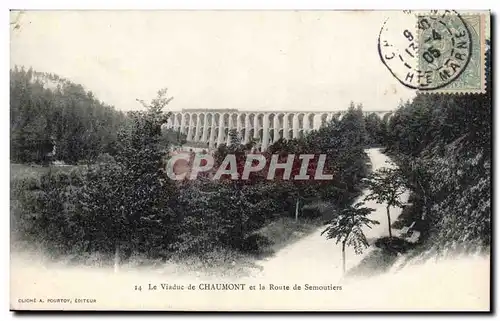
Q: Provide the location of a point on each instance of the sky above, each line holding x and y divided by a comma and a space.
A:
247, 60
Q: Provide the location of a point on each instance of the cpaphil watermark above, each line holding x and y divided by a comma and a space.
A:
298, 167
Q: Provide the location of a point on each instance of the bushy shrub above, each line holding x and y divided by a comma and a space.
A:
42, 211
104, 158
393, 245
255, 244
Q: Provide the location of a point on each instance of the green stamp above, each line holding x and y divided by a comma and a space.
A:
436, 51
450, 55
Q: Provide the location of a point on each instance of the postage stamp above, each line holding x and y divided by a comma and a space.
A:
444, 52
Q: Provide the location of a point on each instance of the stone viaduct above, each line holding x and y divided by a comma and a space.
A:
212, 126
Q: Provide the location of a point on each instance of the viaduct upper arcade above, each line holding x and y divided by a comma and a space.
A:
212, 126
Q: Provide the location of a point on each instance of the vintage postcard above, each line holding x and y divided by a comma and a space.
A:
250, 160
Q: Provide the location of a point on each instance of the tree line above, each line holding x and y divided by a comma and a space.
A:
47, 112
54, 119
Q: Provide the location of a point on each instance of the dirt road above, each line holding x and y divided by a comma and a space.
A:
323, 256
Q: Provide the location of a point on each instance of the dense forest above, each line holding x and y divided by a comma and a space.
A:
50, 113
443, 146
53, 119
123, 202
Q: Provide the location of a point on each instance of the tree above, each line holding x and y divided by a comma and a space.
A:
136, 206
172, 137
101, 206
374, 129
299, 189
417, 176
386, 186
347, 227
233, 137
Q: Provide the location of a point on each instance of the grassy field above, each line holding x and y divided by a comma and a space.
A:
286, 231
20, 171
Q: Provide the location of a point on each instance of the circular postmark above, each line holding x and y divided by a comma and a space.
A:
425, 51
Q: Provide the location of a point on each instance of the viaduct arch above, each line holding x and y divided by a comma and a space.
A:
212, 126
